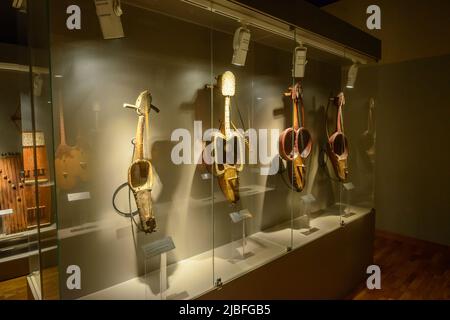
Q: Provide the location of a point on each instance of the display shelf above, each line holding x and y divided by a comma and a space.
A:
195, 273
325, 220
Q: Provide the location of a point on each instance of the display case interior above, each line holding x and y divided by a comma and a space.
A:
145, 209
27, 209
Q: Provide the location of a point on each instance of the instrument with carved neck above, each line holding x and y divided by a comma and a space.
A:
295, 143
228, 143
337, 146
140, 172
70, 162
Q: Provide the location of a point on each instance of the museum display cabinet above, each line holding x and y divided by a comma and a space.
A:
179, 146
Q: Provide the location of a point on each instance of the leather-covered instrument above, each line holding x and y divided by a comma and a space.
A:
140, 172
295, 143
337, 146
70, 162
228, 142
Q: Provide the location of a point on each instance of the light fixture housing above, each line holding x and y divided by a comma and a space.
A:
299, 61
37, 84
20, 4
351, 76
108, 13
241, 43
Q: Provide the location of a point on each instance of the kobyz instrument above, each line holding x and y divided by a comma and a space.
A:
369, 136
295, 143
337, 146
140, 172
70, 162
228, 146
12, 194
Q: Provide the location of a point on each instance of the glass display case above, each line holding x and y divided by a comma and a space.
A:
193, 142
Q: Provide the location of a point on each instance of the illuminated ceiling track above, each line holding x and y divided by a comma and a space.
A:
273, 25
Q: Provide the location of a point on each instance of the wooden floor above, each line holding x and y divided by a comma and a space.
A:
16, 289
410, 269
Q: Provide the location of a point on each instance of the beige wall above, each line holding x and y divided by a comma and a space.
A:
412, 111
409, 29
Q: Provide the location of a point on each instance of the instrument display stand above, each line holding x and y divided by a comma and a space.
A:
152, 251
237, 217
345, 194
307, 200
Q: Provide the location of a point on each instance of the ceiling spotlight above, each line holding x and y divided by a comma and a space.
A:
299, 61
241, 42
351, 76
109, 12
20, 4
37, 84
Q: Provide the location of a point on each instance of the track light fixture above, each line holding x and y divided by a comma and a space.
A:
351, 75
241, 42
37, 84
299, 61
20, 4
109, 12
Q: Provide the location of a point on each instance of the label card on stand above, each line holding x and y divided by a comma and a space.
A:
6, 212
349, 186
308, 198
240, 215
206, 176
78, 196
158, 247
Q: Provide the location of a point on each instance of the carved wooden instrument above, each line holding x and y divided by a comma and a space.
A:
295, 143
12, 193
369, 136
140, 172
337, 146
228, 146
41, 174
70, 162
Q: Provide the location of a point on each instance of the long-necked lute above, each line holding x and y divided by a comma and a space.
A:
228, 146
140, 172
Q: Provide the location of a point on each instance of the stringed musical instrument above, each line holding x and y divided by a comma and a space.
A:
34, 148
140, 172
369, 136
70, 162
337, 146
295, 143
228, 146
12, 194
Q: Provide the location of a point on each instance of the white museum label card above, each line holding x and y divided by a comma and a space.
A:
240, 215
308, 198
78, 196
158, 247
6, 212
206, 176
349, 186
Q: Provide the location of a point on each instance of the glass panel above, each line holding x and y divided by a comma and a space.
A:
43, 215
99, 152
255, 228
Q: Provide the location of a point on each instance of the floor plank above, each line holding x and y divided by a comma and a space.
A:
410, 269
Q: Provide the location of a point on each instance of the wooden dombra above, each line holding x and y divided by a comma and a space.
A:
228, 142
295, 143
